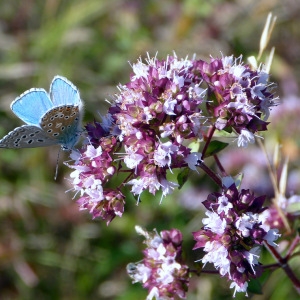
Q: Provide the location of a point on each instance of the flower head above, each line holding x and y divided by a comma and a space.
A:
92, 171
155, 119
233, 233
243, 97
156, 112
161, 271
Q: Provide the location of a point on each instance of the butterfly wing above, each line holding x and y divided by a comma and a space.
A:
64, 92
31, 105
27, 136
64, 121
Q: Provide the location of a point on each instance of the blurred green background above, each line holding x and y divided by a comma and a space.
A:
50, 250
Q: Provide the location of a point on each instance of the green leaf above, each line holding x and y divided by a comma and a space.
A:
194, 146
255, 287
293, 207
182, 177
215, 147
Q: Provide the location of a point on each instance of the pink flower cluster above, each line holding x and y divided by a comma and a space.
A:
155, 116
233, 233
241, 98
167, 106
156, 112
161, 271
93, 169
284, 208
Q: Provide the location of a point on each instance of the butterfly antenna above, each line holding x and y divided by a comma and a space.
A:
56, 169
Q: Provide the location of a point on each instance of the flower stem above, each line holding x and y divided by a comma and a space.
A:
208, 139
220, 166
284, 265
210, 173
294, 244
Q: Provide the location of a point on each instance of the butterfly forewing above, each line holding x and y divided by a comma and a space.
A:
26, 136
31, 105
64, 92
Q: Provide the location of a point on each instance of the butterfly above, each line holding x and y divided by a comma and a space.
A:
51, 119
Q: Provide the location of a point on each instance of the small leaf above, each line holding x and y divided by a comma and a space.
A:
227, 129
214, 147
255, 287
194, 146
182, 177
294, 207
226, 133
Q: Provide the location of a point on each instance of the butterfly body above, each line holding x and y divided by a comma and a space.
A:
53, 119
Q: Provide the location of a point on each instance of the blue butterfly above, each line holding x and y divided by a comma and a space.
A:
53, 119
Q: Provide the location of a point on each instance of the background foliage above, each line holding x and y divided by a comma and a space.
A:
49, 250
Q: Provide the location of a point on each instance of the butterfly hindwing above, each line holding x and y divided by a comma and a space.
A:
62, 123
